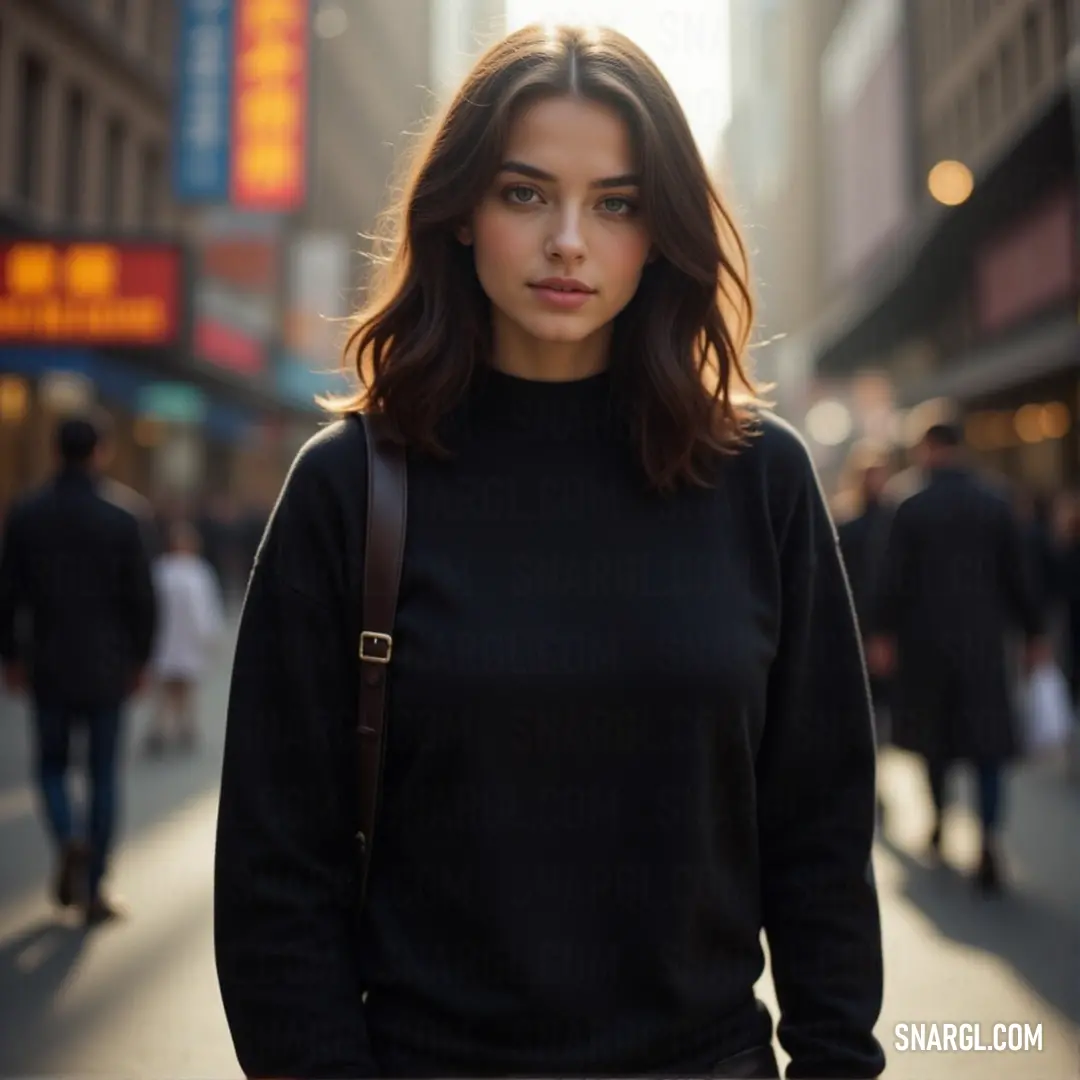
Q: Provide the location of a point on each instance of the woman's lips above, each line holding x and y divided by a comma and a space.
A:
565, 299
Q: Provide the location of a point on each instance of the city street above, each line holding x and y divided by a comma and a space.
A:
140, 998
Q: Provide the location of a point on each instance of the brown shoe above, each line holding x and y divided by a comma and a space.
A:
69, 885
103, 909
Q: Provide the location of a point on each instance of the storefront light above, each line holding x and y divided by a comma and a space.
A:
331, 21
1029, 423
1054, 420
65, 392
829, 422
951, 182
1003, 430
14, 399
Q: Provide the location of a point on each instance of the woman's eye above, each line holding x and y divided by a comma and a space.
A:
617, 204
519, 195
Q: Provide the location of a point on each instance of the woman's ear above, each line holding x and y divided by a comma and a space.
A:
464, 234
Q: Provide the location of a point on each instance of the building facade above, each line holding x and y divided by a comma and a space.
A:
967, 300
773, 169
83, 144
86, 94
381, 70
88, 152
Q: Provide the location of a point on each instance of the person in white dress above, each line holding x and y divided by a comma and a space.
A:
191, 622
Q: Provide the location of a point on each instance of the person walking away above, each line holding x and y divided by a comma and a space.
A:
192, 619
1067, 582
862, 545
955, 580
75, 568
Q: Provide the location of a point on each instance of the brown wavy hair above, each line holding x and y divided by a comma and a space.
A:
677, 347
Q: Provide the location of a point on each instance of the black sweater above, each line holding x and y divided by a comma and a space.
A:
627, 732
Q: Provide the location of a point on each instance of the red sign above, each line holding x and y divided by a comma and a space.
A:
269, 155
228, 348
250, 262
1030, 265
89, 293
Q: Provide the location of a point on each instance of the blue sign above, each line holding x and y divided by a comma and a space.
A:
180, 403
298, 384
202, 119
114, 381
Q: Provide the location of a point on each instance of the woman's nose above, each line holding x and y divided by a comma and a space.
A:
567, 241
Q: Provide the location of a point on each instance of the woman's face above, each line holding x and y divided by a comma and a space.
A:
559, 241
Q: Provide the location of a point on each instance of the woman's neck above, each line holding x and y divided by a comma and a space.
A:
517, 353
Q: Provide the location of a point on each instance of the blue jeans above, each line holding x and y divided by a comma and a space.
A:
54, 724
988, 775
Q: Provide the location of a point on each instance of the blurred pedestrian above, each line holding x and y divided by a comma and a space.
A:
1067, 581
1034, 511
956, 579
628, 725
191, 623
220, 527
863, 537
76, 569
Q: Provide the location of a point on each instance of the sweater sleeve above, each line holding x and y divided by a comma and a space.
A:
816, 784
285, 864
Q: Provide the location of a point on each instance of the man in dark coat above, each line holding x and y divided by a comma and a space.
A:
954, 582
77, 616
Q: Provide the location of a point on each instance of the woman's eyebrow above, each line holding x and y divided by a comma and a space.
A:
533, 173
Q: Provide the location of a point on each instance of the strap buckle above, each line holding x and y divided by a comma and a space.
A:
382, 643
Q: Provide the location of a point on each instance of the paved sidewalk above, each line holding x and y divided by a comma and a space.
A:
141, 999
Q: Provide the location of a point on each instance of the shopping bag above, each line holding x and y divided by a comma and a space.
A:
1046, 710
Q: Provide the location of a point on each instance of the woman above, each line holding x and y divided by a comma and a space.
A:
192, 622
628, 722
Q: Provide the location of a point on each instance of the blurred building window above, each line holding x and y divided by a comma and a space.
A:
114, 170
987, 102
150, 185
1010, 76
159, 35
965, 122
139, 24
943, 20
28, 169
960, 12
120, 12
924, 52
1033, 60
74, 141
1059, 17
950, 142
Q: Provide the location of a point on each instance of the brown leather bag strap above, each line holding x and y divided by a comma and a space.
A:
383, 552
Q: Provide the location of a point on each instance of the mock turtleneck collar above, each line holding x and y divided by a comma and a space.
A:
561, 410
